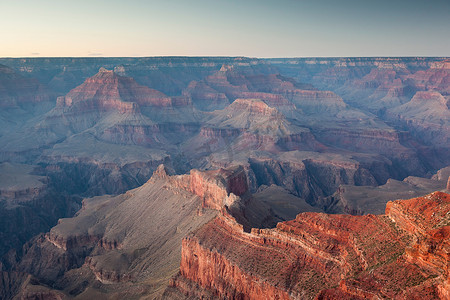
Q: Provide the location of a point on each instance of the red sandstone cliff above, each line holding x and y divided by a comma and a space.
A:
402, 255
215, 188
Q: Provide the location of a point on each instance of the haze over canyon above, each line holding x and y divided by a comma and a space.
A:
225, 178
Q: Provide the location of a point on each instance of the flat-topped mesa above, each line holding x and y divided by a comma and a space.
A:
444, 64
402, 255
107, 90
316, 101
253, 106
273, 100
18, 184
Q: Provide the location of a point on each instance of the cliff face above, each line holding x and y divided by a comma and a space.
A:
110, 131
427, 116
127, 240
16, 90
428, 223
402, 254
25, 202
215, 188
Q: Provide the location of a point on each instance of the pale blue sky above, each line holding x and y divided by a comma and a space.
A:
264, 28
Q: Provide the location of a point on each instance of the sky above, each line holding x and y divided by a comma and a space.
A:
252, 28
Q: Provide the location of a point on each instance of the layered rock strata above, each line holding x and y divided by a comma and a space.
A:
401, 254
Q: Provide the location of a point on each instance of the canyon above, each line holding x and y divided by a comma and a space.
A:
232, 177
401, 254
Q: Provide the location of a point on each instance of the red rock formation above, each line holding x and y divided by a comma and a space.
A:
107, 90
427, 222
437, 77
215, 188
402, 255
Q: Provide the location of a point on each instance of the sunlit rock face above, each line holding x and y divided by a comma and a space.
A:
401, 254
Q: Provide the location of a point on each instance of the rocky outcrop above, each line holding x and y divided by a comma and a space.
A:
255, 107
358, 200
248, 125
10, 283
205, 97
427, 221
215, 188
316, 101
128, 240
310, 178
90, 176
229, 83
19, 184
325, 256
72, 242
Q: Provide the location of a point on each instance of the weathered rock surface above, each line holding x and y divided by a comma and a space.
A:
229, 83
402, 254
17, 183
374, 121
16, 90
427, 116
410, 94
128, 244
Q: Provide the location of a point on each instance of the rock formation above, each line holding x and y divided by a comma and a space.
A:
16, 90
129, 239
260, 140
427, 115
358, 200
402, 254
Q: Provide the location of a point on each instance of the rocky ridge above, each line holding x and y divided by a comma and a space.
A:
324, 256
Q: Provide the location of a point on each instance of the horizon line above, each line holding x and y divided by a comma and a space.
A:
222, 56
